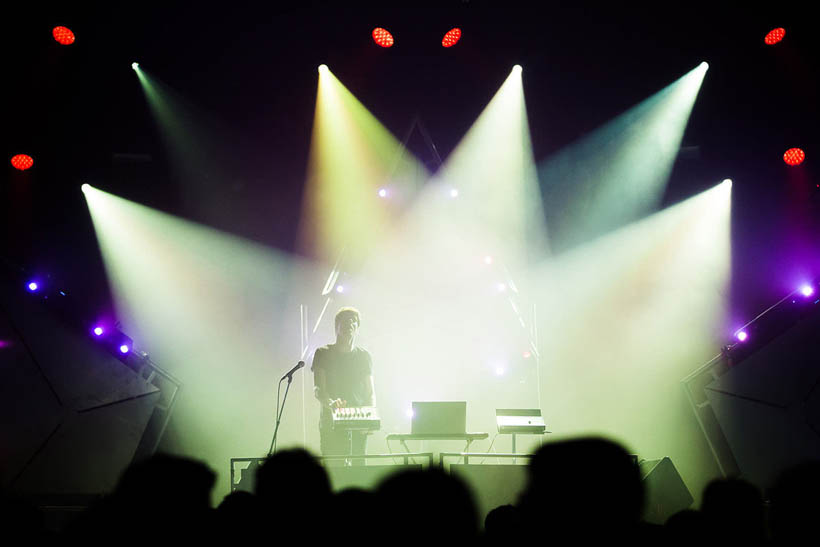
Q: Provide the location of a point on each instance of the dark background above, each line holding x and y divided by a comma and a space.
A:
250, 70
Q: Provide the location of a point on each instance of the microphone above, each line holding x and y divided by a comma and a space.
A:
289, 375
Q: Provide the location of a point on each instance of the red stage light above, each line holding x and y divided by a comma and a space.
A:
22, 162
794, 156
775, 36
63, 35
382, 37
451, 38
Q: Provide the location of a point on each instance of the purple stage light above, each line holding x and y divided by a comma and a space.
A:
124, 348
742, 336
98, 331
806, 290
33, 286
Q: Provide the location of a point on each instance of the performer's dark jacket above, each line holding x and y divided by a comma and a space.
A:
347, 376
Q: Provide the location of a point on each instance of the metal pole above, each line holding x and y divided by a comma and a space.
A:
303, 351
537, 352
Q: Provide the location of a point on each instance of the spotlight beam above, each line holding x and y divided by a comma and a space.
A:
618, 173
493, 170
352, 157
202, 300
630, 314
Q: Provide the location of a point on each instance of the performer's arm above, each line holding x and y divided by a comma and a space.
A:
320, 385
372, 397
371, 385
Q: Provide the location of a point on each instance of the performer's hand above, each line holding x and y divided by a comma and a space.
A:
338, 403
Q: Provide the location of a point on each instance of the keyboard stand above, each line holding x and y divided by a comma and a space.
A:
468, 438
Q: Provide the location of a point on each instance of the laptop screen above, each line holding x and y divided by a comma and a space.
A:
439, 418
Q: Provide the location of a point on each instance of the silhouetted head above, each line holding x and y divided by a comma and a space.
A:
292, 478
502, 523
240, 517
687, 527
165, 481
583, 486
733, 509
170, 496
427, 504
795, 503
237, 503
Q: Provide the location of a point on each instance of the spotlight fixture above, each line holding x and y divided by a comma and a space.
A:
382, 37
454, 193
323, 68
98, 331
32, 286
135, 65
63, 35
340, 289
774, 36
742, 336
806, 290
451, 38
124, 348
22, 162
382, 192
794, 156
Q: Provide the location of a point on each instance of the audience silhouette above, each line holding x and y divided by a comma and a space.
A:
795, 504
581, 490
162, 496
425, 505
733, 511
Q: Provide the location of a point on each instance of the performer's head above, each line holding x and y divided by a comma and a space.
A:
347, 323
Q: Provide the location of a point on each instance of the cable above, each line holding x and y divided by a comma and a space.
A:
278, 417
490, 448
272, 448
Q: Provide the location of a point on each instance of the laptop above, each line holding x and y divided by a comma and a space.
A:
439, 418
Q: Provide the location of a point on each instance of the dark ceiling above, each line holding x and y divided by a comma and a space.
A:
249, 70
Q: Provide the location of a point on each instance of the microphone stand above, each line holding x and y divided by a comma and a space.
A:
280, 410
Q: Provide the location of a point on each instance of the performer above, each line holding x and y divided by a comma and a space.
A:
342, 377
